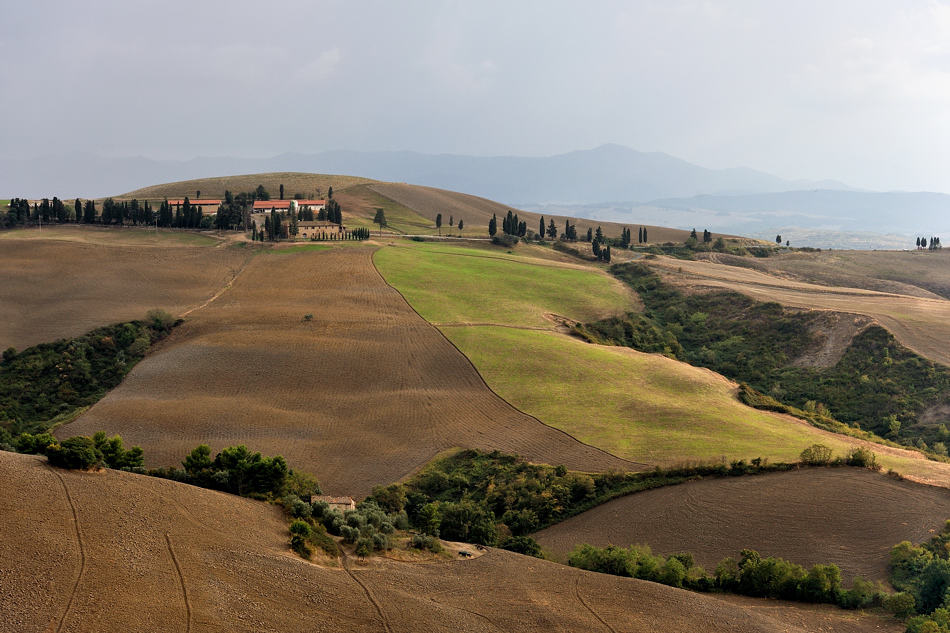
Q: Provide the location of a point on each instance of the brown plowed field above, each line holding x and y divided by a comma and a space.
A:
476, 212
55, 289
846, 516
116, 552
362, 394
919, 323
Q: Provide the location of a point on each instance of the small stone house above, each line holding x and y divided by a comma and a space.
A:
341, 504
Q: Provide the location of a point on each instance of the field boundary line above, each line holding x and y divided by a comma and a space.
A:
366, 590
577, 593
82, 550
487, 386
181, 580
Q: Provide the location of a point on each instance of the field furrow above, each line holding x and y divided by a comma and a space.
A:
362, 393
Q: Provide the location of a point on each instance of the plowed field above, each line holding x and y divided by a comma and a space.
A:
845, 516
54, 288
116, 552
361, 394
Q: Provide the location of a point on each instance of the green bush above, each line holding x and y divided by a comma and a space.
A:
816, 455
523, 545
78, 453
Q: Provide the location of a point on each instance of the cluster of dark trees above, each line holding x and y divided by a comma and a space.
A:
753, 575
498, 499
933, 244
51, 381
81, 452
510, 225
922, 574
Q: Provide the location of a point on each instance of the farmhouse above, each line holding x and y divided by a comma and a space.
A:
336, 503
207, 207
320, 229
265, 206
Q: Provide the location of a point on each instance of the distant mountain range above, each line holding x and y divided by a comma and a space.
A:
609, 172
609, 182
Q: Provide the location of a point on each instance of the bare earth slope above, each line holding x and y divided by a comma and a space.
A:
116, 552
56, 289
846, 516
362, 394
919, 323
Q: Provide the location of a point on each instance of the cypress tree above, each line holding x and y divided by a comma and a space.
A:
493, 225
78, 210
590, 234
541, 230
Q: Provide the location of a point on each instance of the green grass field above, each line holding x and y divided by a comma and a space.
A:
641, 407
637, 406
457, 284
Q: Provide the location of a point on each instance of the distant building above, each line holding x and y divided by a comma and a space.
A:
207, 207
265, 206
320, 230
336, 503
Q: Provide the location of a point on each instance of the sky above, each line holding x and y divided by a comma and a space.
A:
857, 91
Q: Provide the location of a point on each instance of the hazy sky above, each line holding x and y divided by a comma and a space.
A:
857, 91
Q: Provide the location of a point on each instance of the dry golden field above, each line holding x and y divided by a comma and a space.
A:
363, 393
921, 323
117, 552
428, 202
72, 280
846, 516
294, 182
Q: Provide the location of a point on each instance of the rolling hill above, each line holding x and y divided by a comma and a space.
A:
114, 551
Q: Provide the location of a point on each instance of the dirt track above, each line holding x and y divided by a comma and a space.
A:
41, 300
160, 556
362, 394
846, 516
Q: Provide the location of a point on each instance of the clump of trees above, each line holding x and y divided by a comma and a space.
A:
498, 499
47, 383
922, 574
80, 452
753, 575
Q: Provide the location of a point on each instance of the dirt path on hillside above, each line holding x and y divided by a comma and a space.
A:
362, 393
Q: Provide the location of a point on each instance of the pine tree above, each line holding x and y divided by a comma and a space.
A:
552, 229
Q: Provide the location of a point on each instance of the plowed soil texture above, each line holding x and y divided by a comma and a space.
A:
312, 356
846, 516
56, 289
117, 552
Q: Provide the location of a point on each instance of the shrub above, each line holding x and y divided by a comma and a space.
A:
301, 527
816, 455
424, 541
862, 457
523, 545
76, 453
